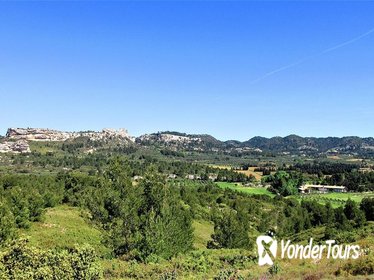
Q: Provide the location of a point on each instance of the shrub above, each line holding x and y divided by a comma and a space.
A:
228, 274
230, 232
23, 262
364, 265
274, 269
7, 225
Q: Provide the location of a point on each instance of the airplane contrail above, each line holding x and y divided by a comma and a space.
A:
312, 56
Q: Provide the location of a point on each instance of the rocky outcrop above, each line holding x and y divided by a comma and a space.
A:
176, 141
42, 134
37, 134
171, 141
20, 146
167, 138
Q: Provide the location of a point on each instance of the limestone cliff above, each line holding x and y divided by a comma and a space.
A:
42, 134
20, 146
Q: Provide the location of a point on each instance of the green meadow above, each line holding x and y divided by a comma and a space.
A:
64, 227
241, 188
336, 199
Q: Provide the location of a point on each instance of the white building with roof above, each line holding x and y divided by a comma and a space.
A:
308, 188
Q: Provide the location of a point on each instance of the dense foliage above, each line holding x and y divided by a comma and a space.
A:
284, 183
23, 199
142, 220
354, 181
324, 167
21, 261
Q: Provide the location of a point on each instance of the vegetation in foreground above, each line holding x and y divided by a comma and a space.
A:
203, 263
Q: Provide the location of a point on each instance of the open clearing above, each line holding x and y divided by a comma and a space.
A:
251, 172
241, 188
336, 199
64, 227
203, 231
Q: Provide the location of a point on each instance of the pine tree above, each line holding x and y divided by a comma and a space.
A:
341, 221
168, 226
354, 214
19, 207
7, 225
229, 232
367, 205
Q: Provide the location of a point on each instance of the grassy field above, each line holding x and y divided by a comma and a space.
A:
241, 188
202, 231
64, 227
251, 172
345, 196
336, 199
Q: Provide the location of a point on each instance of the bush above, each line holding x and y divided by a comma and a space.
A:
367, 205
169, 276
23, 262
228, 274
196, 261
7, 225
274, 269
364, 265
230, 232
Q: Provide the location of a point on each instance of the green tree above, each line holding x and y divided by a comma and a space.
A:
354, 214
122, 201
341, 221
19, 207
36, 205
367, 205
283, 183
329, 210
229, 232
7, 222
168, 226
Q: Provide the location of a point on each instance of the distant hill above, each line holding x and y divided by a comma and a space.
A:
173, 140
296, 143
288, 144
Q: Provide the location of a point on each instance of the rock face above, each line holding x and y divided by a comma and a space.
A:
20, 146
167, 138
36, 134
171, 141
182, 141
41, 134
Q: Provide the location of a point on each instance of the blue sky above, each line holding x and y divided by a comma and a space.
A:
189, 66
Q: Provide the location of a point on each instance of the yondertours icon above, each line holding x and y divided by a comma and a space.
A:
267, 250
